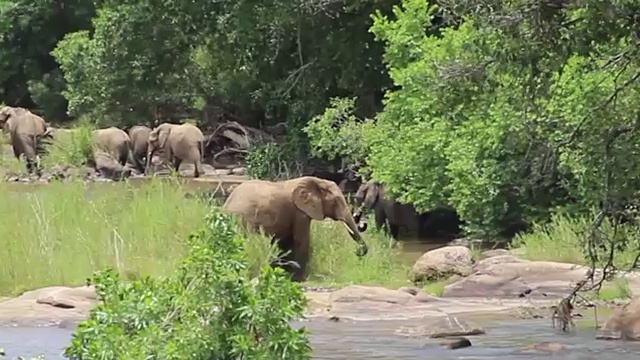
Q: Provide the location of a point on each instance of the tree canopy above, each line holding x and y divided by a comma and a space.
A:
508, 111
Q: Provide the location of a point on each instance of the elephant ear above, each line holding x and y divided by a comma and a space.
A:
307, 197
373, 191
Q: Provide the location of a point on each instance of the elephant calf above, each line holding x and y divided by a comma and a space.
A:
113, 141
108, 167
180, 143
27, 132
139, 136
387, 211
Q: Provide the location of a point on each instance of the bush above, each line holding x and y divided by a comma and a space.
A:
209, 309
73, 148
272, 162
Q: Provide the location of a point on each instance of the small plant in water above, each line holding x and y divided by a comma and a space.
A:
210, 308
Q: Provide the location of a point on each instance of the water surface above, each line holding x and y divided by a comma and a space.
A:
376, 340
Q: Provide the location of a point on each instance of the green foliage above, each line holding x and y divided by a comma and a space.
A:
73, 146
338, 132
272, 162
209, 309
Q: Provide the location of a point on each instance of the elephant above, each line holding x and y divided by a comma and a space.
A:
284, 210
180, 143
108, 166
27, 132
371, 196
139, 136
113, 141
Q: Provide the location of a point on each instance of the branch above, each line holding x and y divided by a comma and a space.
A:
229, 151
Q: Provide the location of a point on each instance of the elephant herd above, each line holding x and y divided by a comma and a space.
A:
113, 148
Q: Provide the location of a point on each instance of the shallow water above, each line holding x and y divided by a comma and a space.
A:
376, 340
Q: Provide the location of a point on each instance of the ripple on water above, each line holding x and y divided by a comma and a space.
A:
376, 340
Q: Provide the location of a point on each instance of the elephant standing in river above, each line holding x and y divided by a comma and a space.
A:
139, 136
285, 209
27, 131
371, 196
180, 143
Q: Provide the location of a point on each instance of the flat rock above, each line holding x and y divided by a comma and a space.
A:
48, 305
492, 253
441, 327
518, 279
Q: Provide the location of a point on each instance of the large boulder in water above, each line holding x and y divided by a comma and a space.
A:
443, 263
623, 324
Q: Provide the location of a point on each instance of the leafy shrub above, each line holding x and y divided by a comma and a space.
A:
210, 309
73, 148
270, 162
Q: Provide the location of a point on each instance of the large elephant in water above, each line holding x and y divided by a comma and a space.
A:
387, 211
285, 209
27, 131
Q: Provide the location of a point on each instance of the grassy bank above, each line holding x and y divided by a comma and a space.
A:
59, 234
563, 240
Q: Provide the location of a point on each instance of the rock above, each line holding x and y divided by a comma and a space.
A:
445, 326
442, 263
519, 279
222, 171
240, 171
357, 293
410, 290
419, 295
492, 253
456, 343
623, 324
484, 264
551, 347
49, 305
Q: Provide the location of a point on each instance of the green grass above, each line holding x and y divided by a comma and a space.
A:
435, 288
616, 289
58, 234
562, 240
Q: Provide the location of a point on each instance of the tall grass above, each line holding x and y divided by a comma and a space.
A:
58, 234
563, 240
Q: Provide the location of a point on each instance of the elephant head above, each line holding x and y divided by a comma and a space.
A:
320, 199
157, 140
366, 199
5, 113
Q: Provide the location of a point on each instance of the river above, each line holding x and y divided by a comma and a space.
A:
376, 340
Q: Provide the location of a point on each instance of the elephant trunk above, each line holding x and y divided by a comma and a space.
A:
352, 228
147, 168
360, 219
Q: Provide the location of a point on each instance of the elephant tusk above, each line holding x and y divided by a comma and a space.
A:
351, 232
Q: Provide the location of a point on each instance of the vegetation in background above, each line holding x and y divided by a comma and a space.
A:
210, 308
60, 233
73, 148
511, 112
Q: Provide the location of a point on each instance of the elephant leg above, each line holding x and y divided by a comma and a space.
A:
380, 219
301, 252
285, 256
197, 169
394, 230
176, 163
